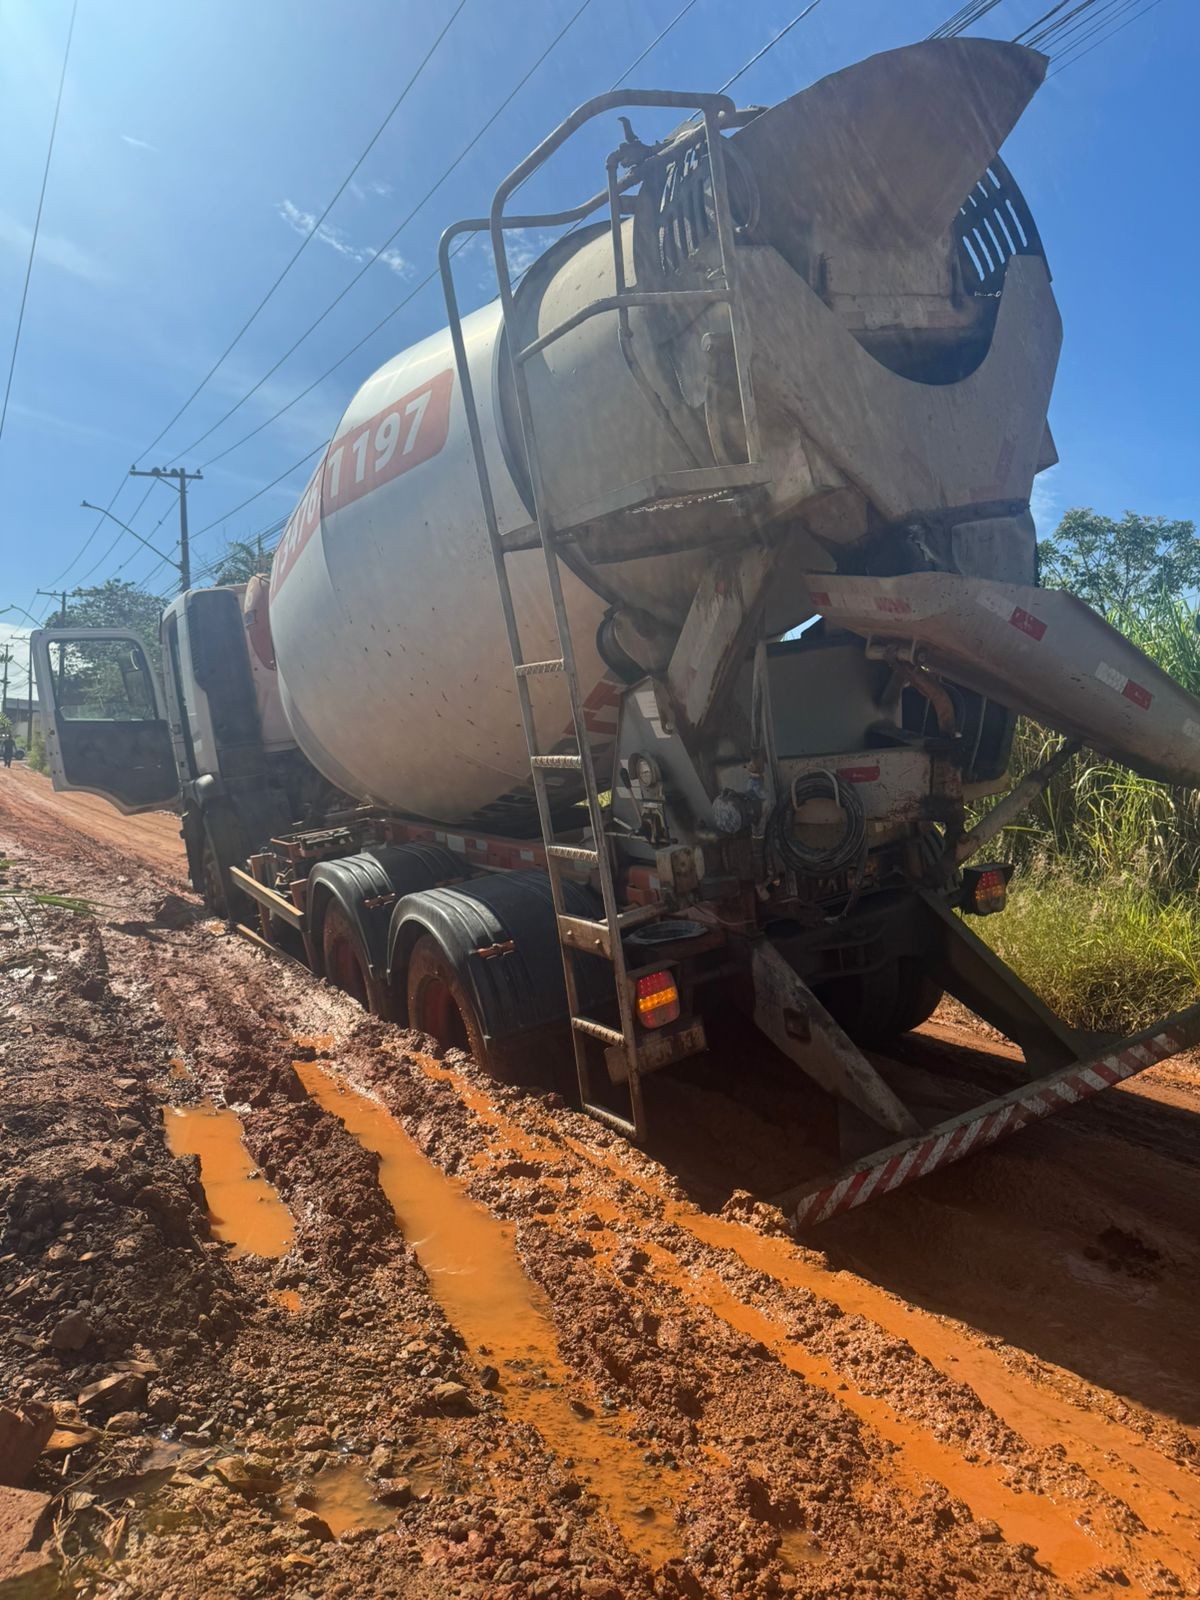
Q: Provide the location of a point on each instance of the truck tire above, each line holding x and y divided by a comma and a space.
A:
346, 964
440, 1004
211, 885
918, 998
877, 1008
217, 888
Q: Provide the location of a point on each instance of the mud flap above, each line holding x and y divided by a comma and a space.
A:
901, 1163
799, 1026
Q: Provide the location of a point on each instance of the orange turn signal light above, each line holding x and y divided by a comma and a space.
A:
657, 999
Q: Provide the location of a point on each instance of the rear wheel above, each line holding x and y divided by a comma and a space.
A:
918, 997
211, 885
346, 964
877, 1007
440, 1004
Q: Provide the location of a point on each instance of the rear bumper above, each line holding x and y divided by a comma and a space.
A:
908, 1159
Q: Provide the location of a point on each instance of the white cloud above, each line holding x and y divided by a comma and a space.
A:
60, 424
525, 245
372, 187
305, 221
138, 144
52, 250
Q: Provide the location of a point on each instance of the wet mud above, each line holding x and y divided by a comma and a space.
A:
497, 1352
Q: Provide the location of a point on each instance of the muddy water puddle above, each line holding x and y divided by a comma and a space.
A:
243, 1208
343, 1499
475, 1275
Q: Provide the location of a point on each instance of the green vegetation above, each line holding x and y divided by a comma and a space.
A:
36, 755
242, 561
28, 908
1106, 954
1103, 918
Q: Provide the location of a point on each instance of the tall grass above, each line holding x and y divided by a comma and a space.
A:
1103, 918
1097, 816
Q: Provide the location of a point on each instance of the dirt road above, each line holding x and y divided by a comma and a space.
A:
417, 1334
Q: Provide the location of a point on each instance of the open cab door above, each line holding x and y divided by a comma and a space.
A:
104, 720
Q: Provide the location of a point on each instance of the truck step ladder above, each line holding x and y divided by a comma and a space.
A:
579, 937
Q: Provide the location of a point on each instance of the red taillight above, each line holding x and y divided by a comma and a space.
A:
657, 1000
986, 888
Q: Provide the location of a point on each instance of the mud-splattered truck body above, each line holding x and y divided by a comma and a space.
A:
645, 642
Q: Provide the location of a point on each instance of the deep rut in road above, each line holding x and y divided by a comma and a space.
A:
988, 1386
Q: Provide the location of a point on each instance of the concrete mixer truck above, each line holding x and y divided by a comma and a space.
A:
646, 642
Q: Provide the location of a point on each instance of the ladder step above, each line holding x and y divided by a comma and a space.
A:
573, 852
612, 1119
533, 669
595, 937
557, 763
597, 1030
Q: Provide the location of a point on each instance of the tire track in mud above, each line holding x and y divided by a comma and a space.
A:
1133, 1508
866, 1510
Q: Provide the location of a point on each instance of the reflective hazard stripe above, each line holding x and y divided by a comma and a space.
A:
898, 1164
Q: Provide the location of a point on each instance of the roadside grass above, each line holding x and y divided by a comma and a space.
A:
1108, 954
1103, 917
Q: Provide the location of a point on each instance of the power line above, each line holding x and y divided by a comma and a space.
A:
653, 45
1026, 32
251, 498
397, 231
37, 221
311, 234
430, 277
1042, 38
770, 45
964, 18
1079, 55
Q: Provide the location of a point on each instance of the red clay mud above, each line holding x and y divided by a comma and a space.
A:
503, 1354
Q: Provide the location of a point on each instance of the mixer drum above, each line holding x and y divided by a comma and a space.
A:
885, 386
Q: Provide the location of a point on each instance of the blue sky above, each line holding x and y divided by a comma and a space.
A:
195, 141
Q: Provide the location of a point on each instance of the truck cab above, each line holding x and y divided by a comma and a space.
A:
194, 726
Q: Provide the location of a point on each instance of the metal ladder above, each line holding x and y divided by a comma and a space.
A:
580, 936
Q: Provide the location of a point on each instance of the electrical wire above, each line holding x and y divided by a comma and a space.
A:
429, 278
1023, 36
312, 232
964, 18
397, 231
1080, 15
251, 498
37, 221
521, 83
1079, 55
770, 45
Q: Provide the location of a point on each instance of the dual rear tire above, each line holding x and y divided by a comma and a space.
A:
438, 1001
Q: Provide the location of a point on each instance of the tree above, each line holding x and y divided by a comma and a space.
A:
1120, 566
115, 604
241, 561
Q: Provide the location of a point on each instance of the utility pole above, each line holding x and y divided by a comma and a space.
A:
181, 479
5, 659
62, 622
29, 684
